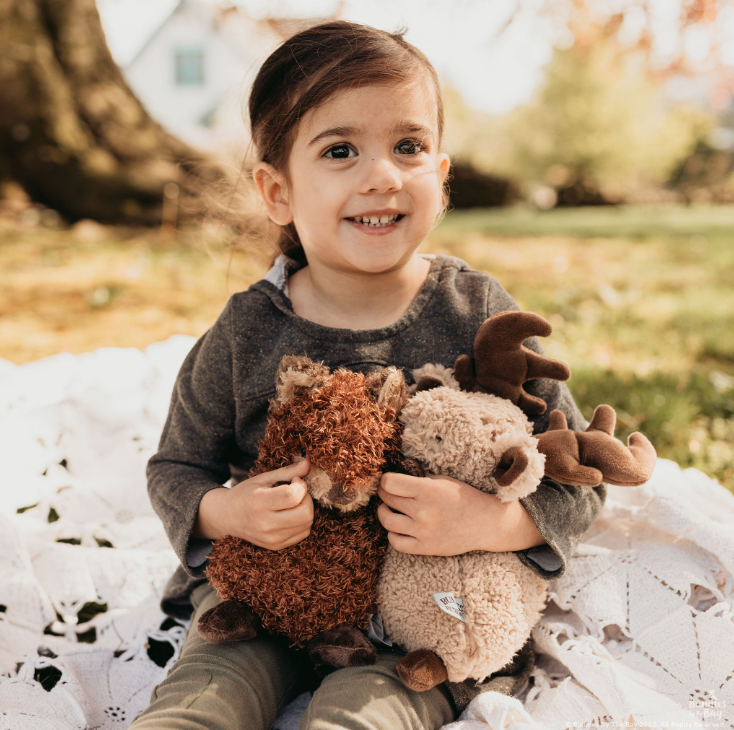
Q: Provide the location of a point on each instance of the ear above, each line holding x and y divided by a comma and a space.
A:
444, 165
426, 383
273, 190
433, 375
388, 387
298, 371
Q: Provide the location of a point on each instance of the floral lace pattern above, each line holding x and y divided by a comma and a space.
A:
638, 633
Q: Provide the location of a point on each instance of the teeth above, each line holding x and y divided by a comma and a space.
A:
376, 220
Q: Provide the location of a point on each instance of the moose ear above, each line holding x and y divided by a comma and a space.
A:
388, 388
298, 371
426, 383
433, 375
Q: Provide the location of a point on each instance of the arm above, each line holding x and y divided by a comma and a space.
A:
561, 513
196, 444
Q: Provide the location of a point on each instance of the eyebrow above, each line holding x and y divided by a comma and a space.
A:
406, 127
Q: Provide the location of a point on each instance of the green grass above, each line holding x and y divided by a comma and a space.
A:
631, 221
642, 305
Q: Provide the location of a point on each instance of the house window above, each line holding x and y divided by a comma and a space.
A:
189, 65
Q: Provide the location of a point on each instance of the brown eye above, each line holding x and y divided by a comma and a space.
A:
411, 146
339, 150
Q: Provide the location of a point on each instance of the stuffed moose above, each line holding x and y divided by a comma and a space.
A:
466, 616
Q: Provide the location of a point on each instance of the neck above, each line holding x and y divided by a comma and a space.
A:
356, 300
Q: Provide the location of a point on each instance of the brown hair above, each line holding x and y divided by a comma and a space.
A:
309, 68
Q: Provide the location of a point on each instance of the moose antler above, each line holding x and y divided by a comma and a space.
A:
594, 455
501, 363
500, 366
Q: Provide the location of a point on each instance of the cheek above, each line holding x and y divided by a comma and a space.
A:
426, 189
311, 192
319, 209
318, 482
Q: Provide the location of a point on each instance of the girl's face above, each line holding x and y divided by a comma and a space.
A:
370, 153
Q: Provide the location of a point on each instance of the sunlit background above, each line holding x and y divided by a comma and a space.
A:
593, 175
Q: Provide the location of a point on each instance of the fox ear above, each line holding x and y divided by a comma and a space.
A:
388, 388
298, 371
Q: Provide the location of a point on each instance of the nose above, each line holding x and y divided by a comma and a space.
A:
382, 176
339, 493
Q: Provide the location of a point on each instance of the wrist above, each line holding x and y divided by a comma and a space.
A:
209, 523
514, 529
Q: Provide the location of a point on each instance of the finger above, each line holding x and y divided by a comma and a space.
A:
297, 538
285, 473
404, 543
443, 478
402, 485
298, 516
288, 521
401, 504
285, 496
394, 522
307, 505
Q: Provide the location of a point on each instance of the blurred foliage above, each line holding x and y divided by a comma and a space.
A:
599, 129
641, 300
707, 174
600, 118
473, 188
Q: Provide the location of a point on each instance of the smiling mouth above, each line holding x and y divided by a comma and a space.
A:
375, 222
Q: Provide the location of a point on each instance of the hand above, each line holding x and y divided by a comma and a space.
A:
438, 515
273, 517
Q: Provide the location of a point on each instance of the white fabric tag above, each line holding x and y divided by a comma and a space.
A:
450, 604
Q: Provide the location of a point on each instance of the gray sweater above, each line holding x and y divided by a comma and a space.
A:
219, 404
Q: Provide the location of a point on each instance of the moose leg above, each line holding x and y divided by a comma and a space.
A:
422, 670
341, 646
228, 621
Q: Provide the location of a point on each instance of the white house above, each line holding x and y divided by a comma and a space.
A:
194, 72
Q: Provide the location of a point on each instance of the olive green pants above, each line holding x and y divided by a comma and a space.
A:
245, 684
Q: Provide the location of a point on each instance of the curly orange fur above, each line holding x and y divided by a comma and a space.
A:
330, 577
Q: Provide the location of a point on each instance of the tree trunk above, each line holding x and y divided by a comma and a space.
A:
72, 132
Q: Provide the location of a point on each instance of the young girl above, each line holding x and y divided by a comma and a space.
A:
347, 121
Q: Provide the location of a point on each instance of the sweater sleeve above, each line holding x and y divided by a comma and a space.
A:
197, 441
562, 513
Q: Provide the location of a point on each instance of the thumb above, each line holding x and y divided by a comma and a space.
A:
286, 473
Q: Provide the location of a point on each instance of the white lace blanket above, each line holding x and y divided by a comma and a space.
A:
639, 631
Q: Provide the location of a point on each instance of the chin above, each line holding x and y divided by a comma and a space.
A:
378, 262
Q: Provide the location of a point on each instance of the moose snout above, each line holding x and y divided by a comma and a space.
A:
510, 466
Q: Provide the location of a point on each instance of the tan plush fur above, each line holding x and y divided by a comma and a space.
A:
474, 429
502, 597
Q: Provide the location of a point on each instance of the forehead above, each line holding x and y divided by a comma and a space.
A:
374, 109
